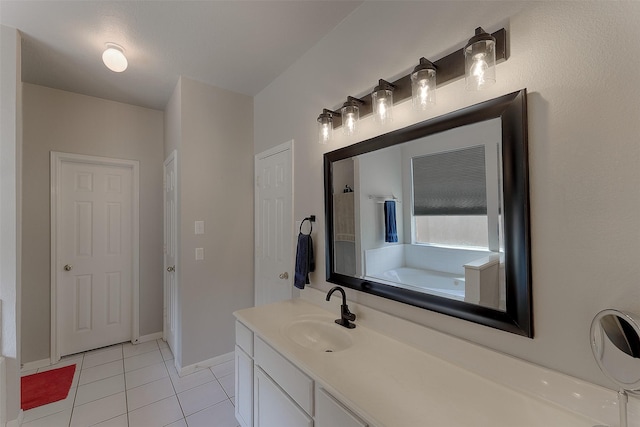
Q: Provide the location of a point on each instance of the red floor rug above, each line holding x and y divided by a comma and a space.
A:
46, 387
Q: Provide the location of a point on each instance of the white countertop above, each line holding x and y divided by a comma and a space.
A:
391, 384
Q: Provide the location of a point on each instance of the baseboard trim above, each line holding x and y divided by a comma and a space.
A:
36, 364
205, 364
150, 337
18, 421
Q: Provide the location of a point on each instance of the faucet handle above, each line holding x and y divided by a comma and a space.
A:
346, 314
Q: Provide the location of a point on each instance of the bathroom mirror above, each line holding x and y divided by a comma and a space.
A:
615, 342
436, 215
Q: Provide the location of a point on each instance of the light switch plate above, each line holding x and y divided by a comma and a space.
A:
199, 227
199, 254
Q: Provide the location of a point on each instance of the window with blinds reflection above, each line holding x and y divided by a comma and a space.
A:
450, 198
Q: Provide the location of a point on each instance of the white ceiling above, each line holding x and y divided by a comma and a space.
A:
236, 45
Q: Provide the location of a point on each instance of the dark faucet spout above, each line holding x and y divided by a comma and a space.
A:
338, 288
346, 317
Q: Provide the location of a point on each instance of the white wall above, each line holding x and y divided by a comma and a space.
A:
10, 194
577, 61
214, 140
56, 120
380, 174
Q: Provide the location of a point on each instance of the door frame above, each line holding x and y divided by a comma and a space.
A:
172, 156
57, 158
285, 146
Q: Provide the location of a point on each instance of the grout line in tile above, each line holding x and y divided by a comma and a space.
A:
126, 395
225, 391
179, 404
91, 382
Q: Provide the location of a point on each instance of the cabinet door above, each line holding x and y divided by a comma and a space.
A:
331, 413
244, 388
273, 407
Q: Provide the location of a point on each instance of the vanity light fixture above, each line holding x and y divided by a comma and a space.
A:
325, 125
476, 61
350, 113
480, 60
382, 102
113, 57
423, 85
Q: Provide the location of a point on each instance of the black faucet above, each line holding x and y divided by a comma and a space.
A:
346, 317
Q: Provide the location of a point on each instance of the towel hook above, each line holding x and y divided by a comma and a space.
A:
311, 220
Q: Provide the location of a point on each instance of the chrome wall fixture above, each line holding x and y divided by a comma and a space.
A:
476, 61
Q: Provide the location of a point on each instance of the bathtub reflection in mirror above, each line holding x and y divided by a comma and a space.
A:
419, 215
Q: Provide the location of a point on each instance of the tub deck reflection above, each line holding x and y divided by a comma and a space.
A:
430, 281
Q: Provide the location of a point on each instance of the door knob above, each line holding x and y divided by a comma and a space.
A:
171, 269
284, 275
68, 267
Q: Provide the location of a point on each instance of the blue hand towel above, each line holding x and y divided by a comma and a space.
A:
390, 230
304, 261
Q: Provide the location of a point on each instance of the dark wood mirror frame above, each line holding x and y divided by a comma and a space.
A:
518, 317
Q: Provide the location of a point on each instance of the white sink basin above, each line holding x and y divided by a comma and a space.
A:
319, 334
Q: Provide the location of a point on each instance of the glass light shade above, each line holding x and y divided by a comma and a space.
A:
480, 61
325, 128
350, 116
423, 86
382, 101
113, 57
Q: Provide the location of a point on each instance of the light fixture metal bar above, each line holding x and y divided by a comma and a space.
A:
448, 69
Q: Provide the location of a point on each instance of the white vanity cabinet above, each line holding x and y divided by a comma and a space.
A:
377, 381
274, 407
244, 375
331, 413
283, 394
272, 391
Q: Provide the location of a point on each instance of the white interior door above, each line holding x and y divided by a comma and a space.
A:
95, 250
171, 252
274, 227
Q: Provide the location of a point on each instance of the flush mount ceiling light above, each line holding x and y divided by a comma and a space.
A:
476, 61
113, 57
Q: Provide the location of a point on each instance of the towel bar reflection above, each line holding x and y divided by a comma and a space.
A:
382, 199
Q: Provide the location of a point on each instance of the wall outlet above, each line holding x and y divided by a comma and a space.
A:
199, 254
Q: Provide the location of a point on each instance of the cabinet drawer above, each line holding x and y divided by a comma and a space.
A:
244, 338
291, 379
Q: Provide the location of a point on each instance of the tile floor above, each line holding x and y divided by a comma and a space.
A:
138, 386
